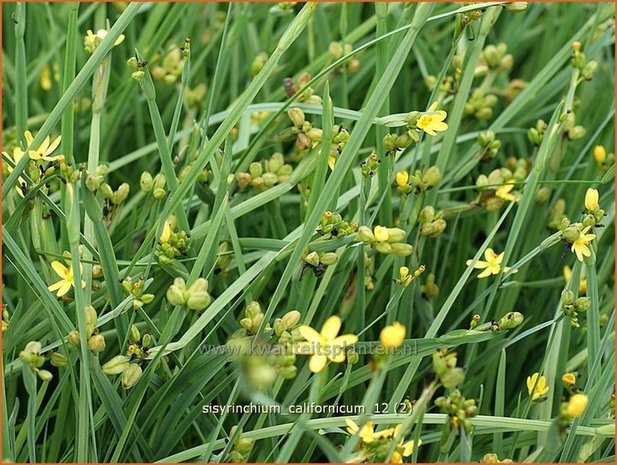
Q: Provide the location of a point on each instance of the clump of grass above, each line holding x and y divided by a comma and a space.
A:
298, 233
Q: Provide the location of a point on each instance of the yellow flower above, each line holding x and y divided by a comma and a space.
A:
567, 276
492, 265
67, 280
579, 246
431, 122
591, 200
17, 155
325, 345
568, 379
92, 40
366, 433
536, 386
403, 449
599, 153
392, 336
577, 405
45, 149
504, 192
402, 178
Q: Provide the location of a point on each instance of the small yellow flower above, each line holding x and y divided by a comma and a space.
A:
45, 149
568, 379
392, 336
504, 192
67, 280
491, 266
577, 405
92, 40
536, 386
580, 247
402, 178
567, 276
403, 449
325, 345
599, 153
366, 433
432, 122
591, 200
45, 78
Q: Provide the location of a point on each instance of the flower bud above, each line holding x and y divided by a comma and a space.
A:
96, 343
296, 115
44, 375
571, 234
73, 338
116, 365
543, 194
328, 258
401, 249
591, 200
582, 304
568, 379
511, 320
577, 405
134, 335
198, 297
599, 153
291, 319
146, 183
365, 234
516, 7
392, 336
394, 234
176, 292
58, 359
131, 375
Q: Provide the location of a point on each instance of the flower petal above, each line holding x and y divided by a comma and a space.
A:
317, 363
310, 334
59, 268
330, 328
53, 146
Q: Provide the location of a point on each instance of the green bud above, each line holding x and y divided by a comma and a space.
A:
365, 234
255, 169
511, 320
571, 234
389, 142
432, 176
582, 304
147, 298
134, 335
453, 377
567, 297
352, 357
312, 259
384, 247
328, 258
131, 375
291, 319
44, 375
198, 297
427, 214
296, 115
543, 194
176, 292
107, 190
73, 338
146, 341
252, 309
577, 132
96, 343
515, 7
396, 234
146, 183
401, 249
58, 359
116, 365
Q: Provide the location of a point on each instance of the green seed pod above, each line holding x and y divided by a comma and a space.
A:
296, 115
567, 297
384, 247
131, 375
571, 234
312, 259
116, 365
176, 292
147, 298
396, 234
582, 304
198, 297
453, 377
